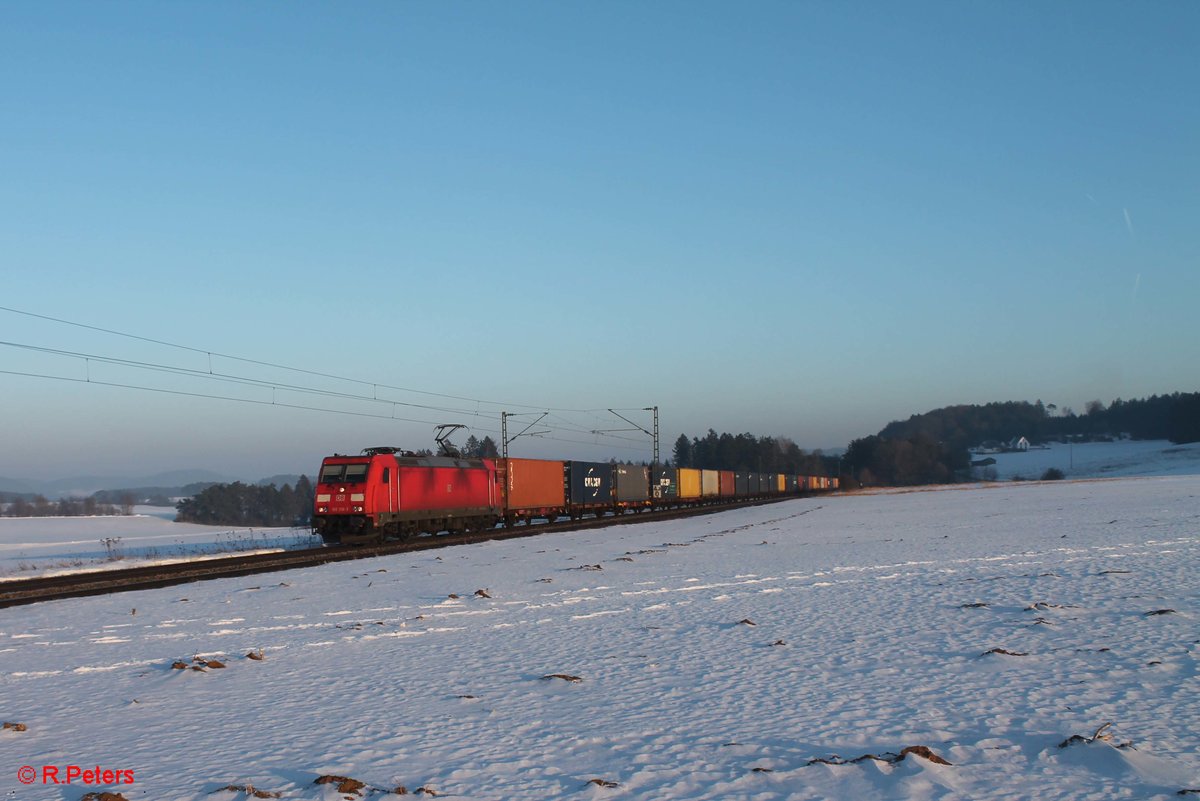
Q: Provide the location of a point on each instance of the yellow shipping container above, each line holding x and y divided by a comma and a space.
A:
781, 482
689, 483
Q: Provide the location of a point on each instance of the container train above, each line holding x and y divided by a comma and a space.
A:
388, 493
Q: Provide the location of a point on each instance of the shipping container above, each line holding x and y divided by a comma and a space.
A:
780, 482
793, 485
666, 483
741, 484
689, 483
725, 483
532, 485
835, 483
589, 483
766, 482
633, 483
710, 484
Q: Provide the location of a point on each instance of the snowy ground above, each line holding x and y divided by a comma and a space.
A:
716, 656
35, 546
1101, 460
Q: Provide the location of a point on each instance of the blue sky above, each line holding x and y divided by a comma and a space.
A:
799, 219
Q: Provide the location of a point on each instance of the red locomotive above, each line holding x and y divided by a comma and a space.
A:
387, 492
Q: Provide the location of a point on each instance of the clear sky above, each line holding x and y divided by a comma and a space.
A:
800, 219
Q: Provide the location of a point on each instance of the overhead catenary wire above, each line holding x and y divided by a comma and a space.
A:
209, 353
89, 358
316, 373
275, 403
210, 374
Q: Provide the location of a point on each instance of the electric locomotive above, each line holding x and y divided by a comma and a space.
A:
390, 493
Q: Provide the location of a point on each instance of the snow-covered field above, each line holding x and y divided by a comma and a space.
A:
716, 658
36, 546
1101, 460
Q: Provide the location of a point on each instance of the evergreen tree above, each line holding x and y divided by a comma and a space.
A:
1184, 419
683, 451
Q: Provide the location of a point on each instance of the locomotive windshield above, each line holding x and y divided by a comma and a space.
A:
344, 473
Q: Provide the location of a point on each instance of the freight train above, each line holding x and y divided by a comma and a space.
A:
388, 493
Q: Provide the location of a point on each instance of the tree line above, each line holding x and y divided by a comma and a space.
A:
747, 452
931, 448
480, 448
1175, 417
16, 505
903, 462
239, 504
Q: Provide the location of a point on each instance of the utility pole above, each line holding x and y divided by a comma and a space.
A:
653, 435
505, 439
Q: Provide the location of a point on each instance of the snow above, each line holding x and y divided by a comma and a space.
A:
1100, 459
717, 657
43, 546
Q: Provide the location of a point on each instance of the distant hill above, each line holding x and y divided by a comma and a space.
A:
109, 489
1174, 417
16, 486
279, 480
153, 496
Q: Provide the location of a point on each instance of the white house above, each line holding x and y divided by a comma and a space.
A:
1019, 444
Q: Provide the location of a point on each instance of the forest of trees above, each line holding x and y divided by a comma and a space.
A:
481, 448
38, 506
903, 461
1175, 417
932, 447
152, 496
239, 504
750, 453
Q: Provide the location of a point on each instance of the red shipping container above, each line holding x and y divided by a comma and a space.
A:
532, 485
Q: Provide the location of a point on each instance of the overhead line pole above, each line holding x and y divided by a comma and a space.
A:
504, 430
653, 435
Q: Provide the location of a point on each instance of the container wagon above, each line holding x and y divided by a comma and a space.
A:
632, 486
533, 488
589, 487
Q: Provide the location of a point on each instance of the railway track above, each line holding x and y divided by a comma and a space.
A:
103, 582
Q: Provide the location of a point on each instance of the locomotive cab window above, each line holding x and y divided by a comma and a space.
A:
343, 474
387, 475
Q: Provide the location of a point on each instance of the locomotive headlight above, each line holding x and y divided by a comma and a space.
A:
356, 508
322, 509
